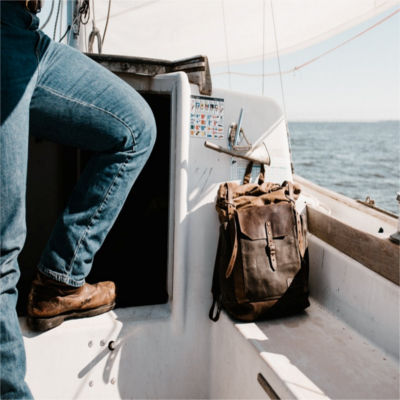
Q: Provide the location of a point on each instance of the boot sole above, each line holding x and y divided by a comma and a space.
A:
45, 324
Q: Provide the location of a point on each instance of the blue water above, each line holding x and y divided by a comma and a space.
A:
357, 159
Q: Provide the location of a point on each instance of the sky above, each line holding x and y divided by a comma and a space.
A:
358, 82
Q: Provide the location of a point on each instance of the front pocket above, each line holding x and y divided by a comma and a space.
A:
262, 279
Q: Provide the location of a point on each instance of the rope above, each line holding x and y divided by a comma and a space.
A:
107, 20
263, 51
94, 34
60, 26
347, 41
298, 67
94, 15
49, 16
281, 82
279, 61
56, 21
65, 33
85, 35
226, 44
84, 12
82, 15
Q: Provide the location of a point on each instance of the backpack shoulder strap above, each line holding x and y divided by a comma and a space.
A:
232, 260
216, 289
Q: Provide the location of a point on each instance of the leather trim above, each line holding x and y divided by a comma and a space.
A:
252, 220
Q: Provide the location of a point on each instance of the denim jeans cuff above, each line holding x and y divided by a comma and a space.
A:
64, 278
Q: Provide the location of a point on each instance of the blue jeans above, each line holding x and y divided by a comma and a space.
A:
54, 92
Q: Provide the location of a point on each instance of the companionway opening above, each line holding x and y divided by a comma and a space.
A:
135, 253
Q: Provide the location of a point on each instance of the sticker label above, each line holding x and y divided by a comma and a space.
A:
207, 117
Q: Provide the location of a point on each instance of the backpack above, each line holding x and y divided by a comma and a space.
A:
261, 267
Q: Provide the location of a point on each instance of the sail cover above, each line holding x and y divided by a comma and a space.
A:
227, 31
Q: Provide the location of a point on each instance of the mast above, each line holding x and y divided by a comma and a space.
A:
74, 38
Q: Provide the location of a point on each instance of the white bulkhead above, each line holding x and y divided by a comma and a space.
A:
173, 350
163, 350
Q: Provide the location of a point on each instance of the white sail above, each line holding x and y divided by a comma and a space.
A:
231, 31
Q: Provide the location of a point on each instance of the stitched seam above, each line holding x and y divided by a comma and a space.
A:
83, 103
60, 277
98, 210
38, 60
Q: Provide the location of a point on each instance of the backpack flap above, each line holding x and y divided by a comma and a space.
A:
268, 250
252, 220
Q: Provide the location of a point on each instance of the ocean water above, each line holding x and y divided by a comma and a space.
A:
357, 159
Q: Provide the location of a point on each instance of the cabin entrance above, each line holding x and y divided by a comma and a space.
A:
135, 253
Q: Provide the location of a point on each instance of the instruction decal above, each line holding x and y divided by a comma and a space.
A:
207, 117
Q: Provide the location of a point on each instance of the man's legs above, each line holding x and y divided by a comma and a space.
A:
13, 160
20, 51
79, 103
17, 85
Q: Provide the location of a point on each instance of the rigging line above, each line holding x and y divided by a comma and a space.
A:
69, 28
347, 41
282, 91
65, 34
56, 21
134, 8
82, 17
94, 34
226, 44
84, 12
85, 35
251, 75
94, 15
298, 67
263, 50
60, 28
49, 16
107, 20
279, 63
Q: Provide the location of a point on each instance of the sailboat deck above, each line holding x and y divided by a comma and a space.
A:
315, 354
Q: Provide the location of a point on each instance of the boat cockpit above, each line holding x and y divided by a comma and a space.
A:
159, 342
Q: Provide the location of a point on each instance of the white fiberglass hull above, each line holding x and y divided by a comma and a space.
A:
345, 345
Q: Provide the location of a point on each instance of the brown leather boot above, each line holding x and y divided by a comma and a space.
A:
50, 303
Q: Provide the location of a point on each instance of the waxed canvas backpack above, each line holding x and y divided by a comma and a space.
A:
261, 266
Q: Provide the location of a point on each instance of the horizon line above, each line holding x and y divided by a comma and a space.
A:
344, 120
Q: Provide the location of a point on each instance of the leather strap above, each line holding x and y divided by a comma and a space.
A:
247, 174
229, 200
300, 237
261, 176
232, 260
290, 197
214, 315
271, 246
216, 289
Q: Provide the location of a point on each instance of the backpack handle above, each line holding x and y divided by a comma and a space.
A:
247, 174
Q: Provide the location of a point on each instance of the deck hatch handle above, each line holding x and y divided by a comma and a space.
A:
267, 387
